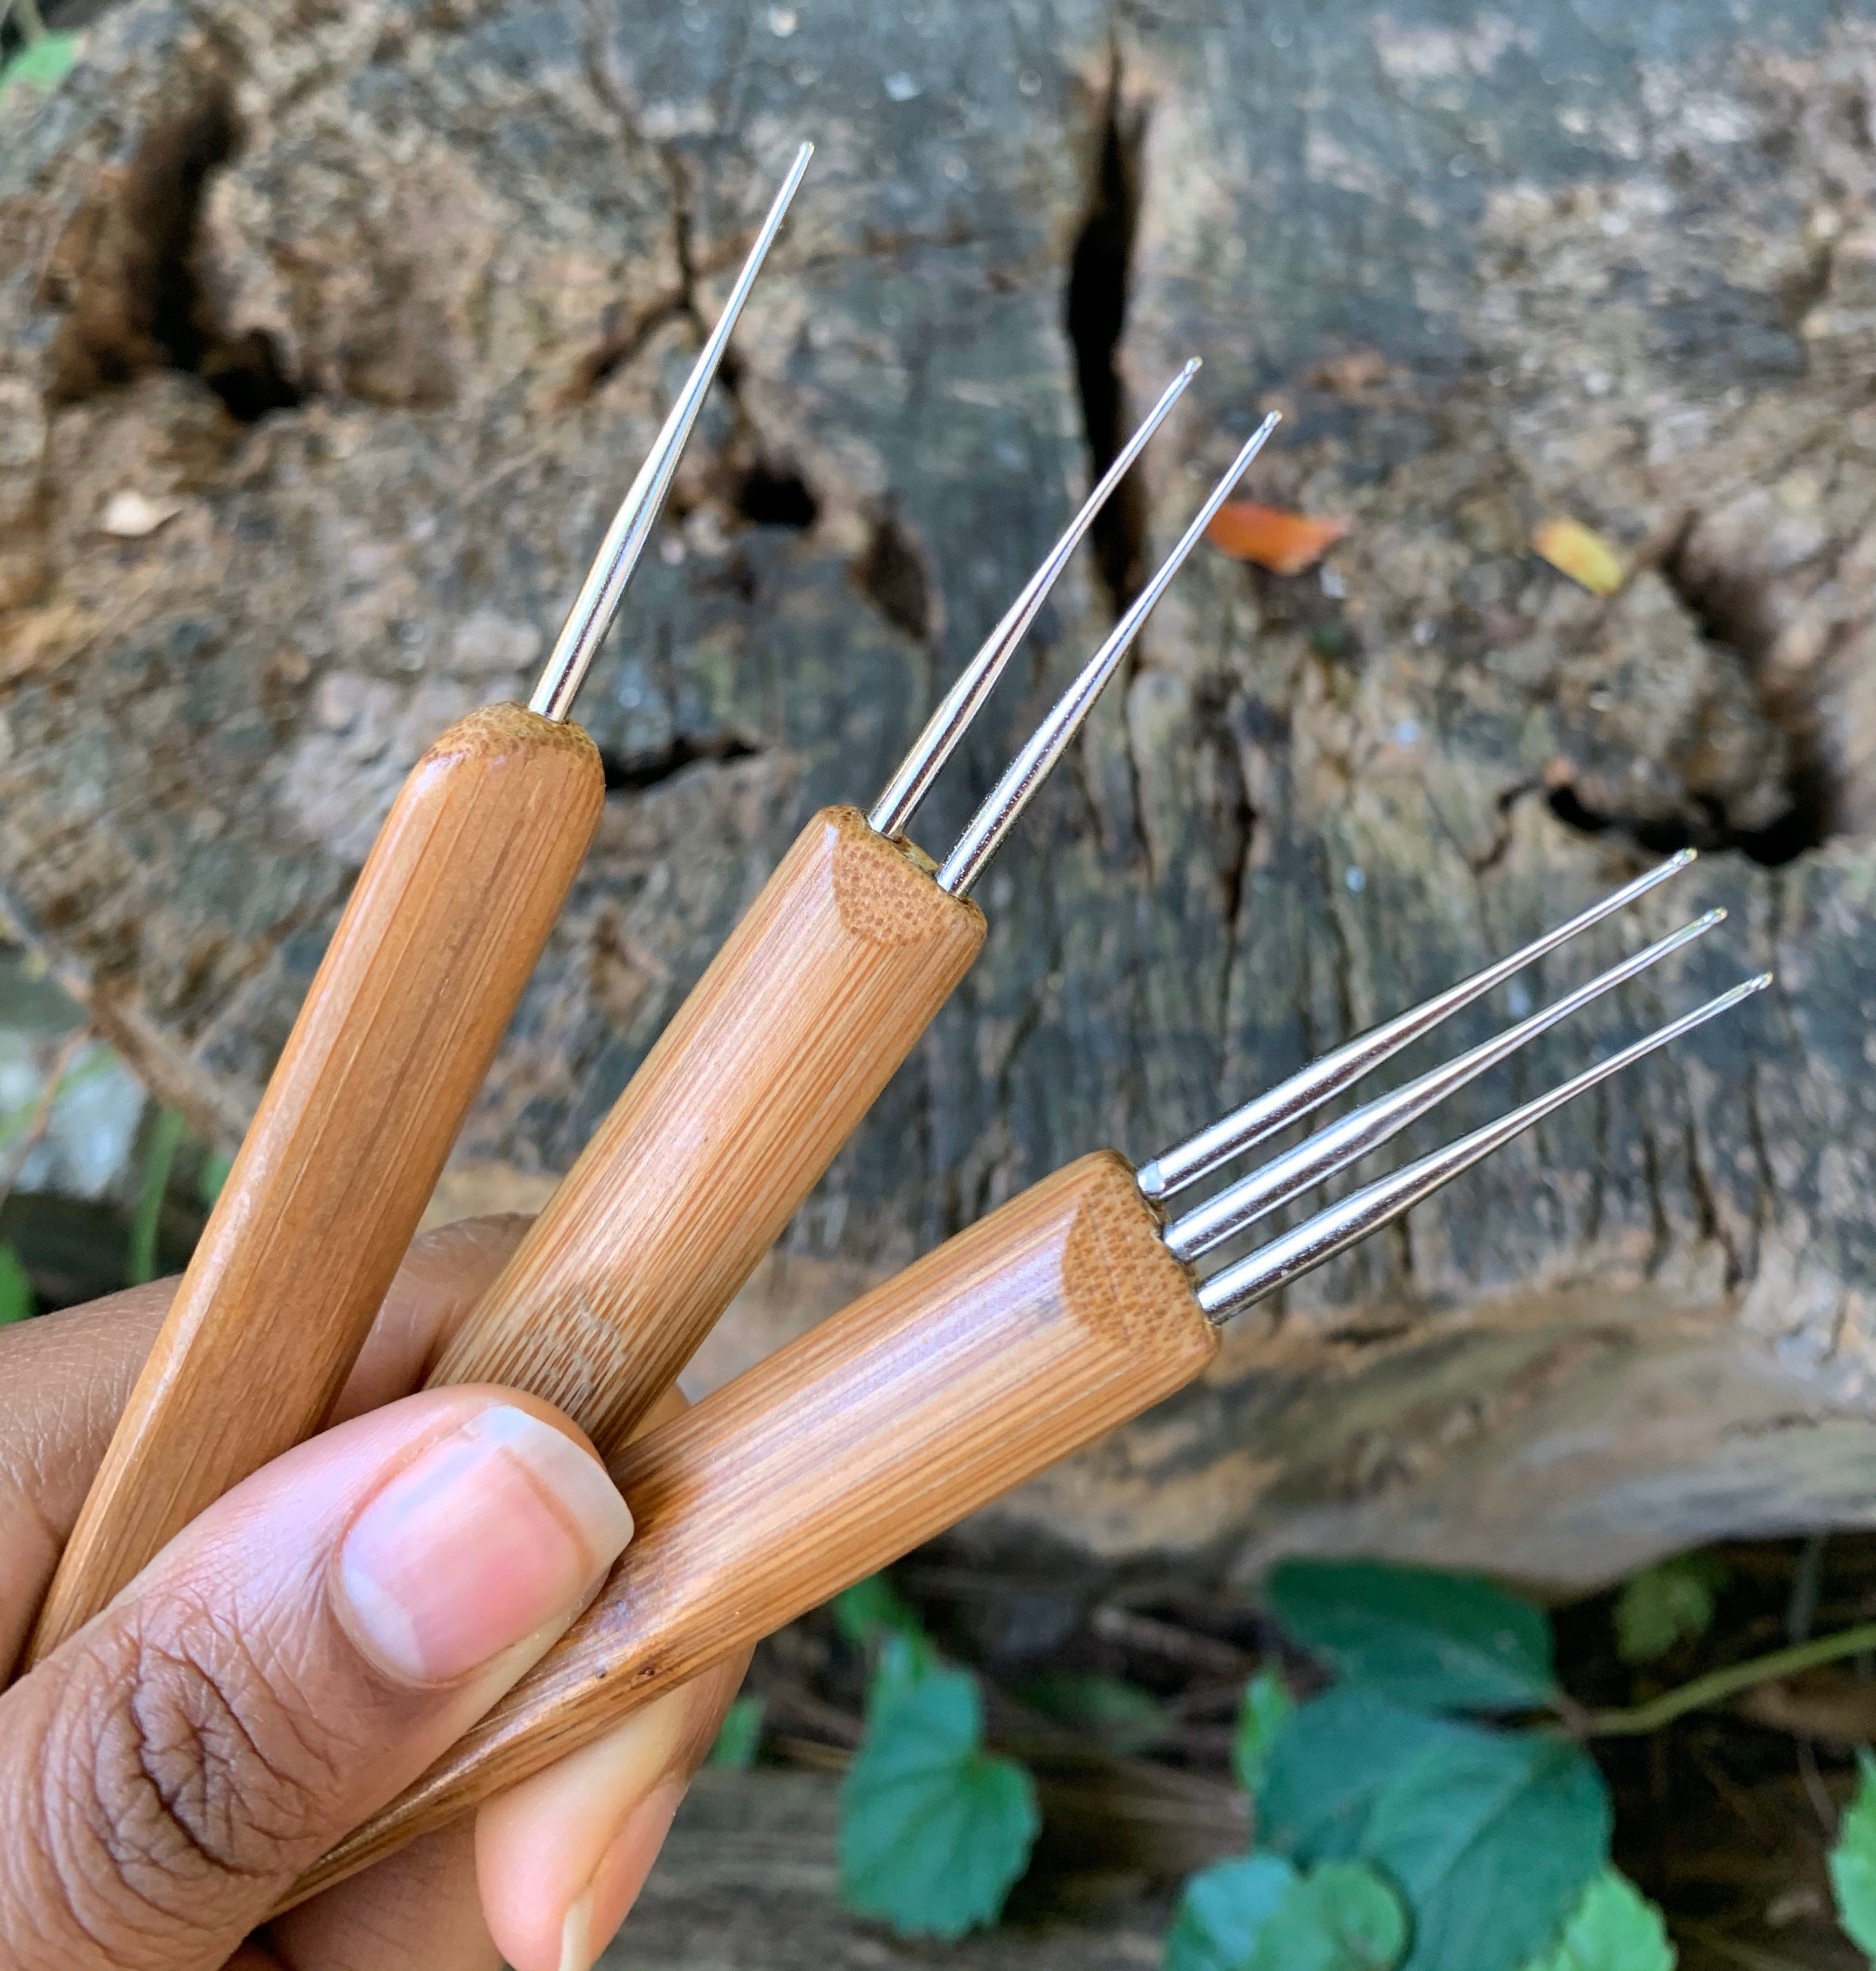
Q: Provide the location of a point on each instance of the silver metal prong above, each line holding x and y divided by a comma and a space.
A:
597, 602
1342, 1066
1032, 766
1340, 1226
1318, 1157
960, 705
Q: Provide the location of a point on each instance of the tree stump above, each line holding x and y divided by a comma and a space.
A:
329, 335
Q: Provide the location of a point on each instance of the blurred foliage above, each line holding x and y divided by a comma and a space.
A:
1853, 1861
739, 1738
1664, 1605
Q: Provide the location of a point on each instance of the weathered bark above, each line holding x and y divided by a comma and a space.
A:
386, 304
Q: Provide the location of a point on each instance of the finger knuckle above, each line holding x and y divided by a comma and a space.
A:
203, 1766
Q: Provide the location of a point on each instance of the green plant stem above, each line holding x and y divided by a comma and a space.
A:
32, 22
1716, 1686
166, 1137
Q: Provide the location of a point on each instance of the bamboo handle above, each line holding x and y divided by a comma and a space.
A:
816, 998
420, 981
1045, 1324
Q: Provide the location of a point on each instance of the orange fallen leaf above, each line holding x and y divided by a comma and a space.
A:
1582, 554
1285, 543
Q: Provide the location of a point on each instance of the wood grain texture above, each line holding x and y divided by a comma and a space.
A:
448, 916
1018, 1341
814, 1000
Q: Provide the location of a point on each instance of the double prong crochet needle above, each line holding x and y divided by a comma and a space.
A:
1061, 1314
423, 975
816, 997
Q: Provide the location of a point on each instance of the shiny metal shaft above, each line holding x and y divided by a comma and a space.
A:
1032, 766
1333, 1149
1326, 1078
597, 602
960, 705
1340, 1226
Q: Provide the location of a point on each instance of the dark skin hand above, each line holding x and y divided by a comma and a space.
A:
293, 1659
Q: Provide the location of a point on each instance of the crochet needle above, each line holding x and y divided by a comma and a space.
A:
423, 974
912, 781
817, 996
1064, 1313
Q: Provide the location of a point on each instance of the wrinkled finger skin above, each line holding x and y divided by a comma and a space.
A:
194, 1704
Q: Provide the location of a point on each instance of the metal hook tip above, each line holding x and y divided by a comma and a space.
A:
1339, 1226
1333, 1149
912, 777
593, 609
1046, 745
1255, 1121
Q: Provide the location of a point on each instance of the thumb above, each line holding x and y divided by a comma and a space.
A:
286, 1665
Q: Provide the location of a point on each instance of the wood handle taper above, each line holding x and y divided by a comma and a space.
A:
420, 981
1018, 1341
817, 996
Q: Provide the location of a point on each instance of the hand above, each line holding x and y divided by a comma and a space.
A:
298, 1654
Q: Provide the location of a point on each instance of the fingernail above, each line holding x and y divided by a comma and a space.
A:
621, 1874
496, 1533
576, 1936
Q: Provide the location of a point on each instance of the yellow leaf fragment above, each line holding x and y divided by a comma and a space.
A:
1582, 554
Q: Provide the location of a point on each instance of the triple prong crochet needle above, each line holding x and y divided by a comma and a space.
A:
1064, 1313
816, 997
423, 975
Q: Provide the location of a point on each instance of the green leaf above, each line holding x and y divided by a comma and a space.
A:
1663, 1605
1222, 1912
1267, 1708
871, 1616
40, 65
1614, 1928
1853, 1860
1120, 1714
739, 1737
933, 1831
903, 1662
872, 1609
1443, 1642
1490, 1835
17, 1298
1330, 1762
1341, 1917
1258, 1915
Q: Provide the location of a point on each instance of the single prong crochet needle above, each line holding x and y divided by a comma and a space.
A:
598, 600
1059, 1315
420, 981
